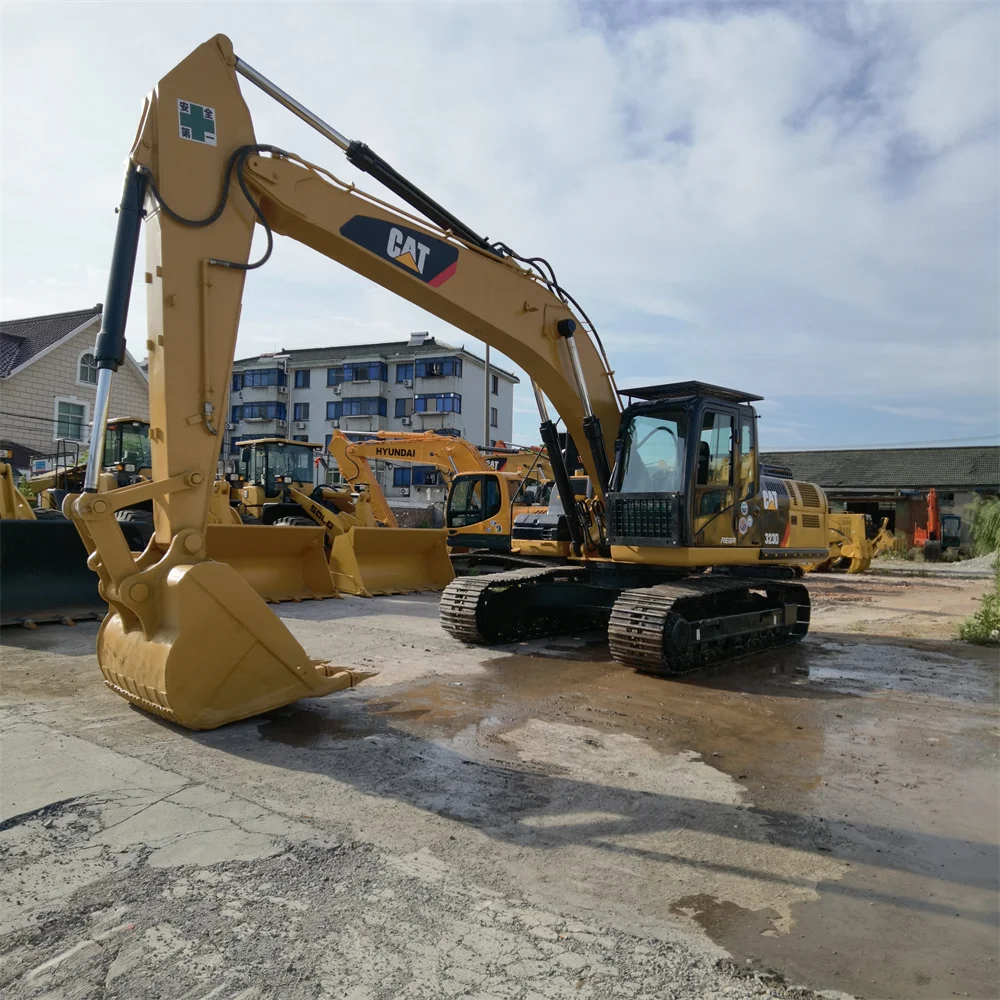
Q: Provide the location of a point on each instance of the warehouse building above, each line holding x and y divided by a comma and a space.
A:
893, 482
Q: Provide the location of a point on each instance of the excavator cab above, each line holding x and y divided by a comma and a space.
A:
127, 453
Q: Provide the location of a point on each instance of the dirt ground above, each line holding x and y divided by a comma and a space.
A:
523, 821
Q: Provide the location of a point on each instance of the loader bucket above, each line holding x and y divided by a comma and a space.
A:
217, 655
44, 575
281, 563
371, 561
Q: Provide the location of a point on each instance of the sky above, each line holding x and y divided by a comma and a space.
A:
797, 200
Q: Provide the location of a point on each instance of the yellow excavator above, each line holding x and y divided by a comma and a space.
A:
675, 487
468, 471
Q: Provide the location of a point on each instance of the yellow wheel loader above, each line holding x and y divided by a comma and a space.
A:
273, 485
44, 575
682, 548
850, 549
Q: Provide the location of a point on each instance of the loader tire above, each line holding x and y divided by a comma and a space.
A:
140, 520
932, 551
296, 522
249, 519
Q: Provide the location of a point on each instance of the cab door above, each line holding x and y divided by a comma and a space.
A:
746, 516
715, 479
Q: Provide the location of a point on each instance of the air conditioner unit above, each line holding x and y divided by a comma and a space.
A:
231, 427
407, 383
406, 421
405, 491
281, 423
335, 422
282, 390
300, 425
336, 390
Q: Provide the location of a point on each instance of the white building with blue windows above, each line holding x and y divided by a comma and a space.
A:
416, 385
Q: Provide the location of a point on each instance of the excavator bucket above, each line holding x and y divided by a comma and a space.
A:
372, 561
282, 563
44, 575
217, 654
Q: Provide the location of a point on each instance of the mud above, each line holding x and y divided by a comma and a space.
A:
828, 814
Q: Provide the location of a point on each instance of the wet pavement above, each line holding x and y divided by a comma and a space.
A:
876, 755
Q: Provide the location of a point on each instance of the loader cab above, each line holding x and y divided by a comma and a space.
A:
265, 470
686, 466
127, 453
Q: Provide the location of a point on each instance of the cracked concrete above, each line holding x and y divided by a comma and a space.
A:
530, 821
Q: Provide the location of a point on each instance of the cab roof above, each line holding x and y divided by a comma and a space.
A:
682, 390
296, 444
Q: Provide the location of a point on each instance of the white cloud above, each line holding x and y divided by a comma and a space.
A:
801, 201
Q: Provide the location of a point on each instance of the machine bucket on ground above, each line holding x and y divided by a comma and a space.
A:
372, 561
217, 655
281, 563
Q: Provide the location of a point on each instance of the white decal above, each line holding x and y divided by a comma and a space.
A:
770, 499
771, 538
743, 525
744, 508
749, 521
401, 246
729, 540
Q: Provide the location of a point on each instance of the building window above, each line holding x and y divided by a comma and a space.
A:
87, 369
495, 385
404, 407
300, 437
374, 371
235, 442
362, 406
494, 417
438, 402
237, 381
264, 411
401, 476
439, 367
334, 376
236, 414
425, 475
71, 419
302, 378
301, 411
404, 373
260, 378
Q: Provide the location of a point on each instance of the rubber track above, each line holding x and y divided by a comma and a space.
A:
461, 599
640, 618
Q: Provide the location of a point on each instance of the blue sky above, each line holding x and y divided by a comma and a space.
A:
800, 200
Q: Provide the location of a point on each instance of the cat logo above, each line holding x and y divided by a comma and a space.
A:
431, 260
407, 251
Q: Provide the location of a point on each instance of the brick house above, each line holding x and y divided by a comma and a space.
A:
48, 383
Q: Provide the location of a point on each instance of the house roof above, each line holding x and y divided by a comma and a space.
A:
21, 340
317, 357
974, 467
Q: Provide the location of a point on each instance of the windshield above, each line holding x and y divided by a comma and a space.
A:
289, 460
128, 443
654, 454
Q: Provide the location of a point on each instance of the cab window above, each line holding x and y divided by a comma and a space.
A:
473, 500
746, 457
715, 450
654, 450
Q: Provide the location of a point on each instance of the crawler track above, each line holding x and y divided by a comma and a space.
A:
678, 628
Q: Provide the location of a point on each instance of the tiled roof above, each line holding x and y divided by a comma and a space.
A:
973, 467
316, 357
22, 339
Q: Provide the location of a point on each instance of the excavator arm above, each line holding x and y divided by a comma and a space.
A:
200, 181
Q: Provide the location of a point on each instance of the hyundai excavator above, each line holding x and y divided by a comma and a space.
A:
675, 485
467, 470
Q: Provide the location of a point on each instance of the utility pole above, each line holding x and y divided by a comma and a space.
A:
486, 407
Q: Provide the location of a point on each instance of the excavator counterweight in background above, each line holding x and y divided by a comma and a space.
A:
674, 487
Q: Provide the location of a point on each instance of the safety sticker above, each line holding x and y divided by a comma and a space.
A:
749, 521
744, 508
743, 525
196, 122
